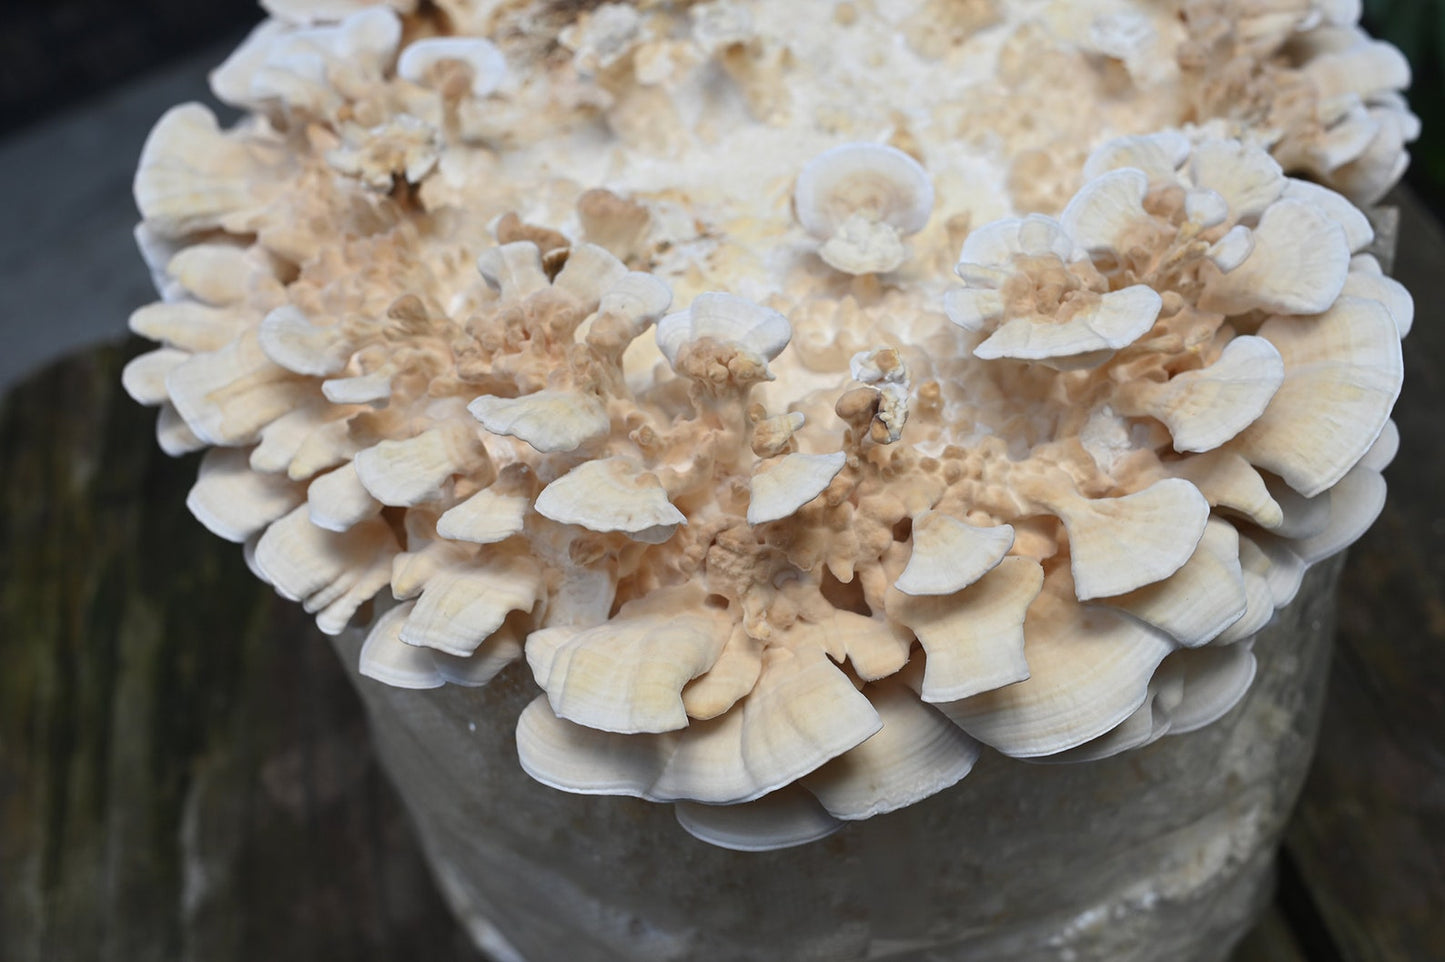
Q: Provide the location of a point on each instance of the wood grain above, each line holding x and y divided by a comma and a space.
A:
184, 770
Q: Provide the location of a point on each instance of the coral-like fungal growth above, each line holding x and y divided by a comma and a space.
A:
586, 337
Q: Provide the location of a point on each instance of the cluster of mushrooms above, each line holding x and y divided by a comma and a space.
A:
795, 479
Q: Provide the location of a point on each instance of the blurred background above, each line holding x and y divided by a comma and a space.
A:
184, 771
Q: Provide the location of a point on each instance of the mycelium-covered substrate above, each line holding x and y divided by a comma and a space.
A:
812, 393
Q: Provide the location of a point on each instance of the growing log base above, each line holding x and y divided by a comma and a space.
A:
185, 772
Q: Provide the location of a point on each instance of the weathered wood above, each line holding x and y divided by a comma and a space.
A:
184, 771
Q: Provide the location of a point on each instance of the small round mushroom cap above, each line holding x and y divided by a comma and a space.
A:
144, 376
613, 494
1158, 155
783, 487
425, 62
882, 183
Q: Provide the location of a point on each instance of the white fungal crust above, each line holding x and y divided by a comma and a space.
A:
790, 559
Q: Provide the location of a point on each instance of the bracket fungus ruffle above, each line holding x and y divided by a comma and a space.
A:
521, 337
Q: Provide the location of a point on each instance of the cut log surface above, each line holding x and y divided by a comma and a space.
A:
184, 769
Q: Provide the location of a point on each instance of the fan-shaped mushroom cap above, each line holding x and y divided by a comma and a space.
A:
783, 487
144, 377
1343, 371
627, 674
415, 470
1213, 679
859, 199
1119, 544
389, 660
1206, 407
1108, 208
463, 605
549, 421
1158, 155
974, 638
1298, 264
1355, 502
1249, 179
338, 500
289, 338
1089, 670
727, 319
1383, 451
731, 677
228, 396
485, 518
189, 325
233, 501
613, 494
917, 753
1200, 600
332, 573
1274, 559
1387, 291
192, 178
783, 819
1228, 481
1113, 320
499, 650
802, 712
173, 434
1352, 220
426, 62
949, 555
874, 179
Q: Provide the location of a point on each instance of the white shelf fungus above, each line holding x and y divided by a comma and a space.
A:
800, 554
